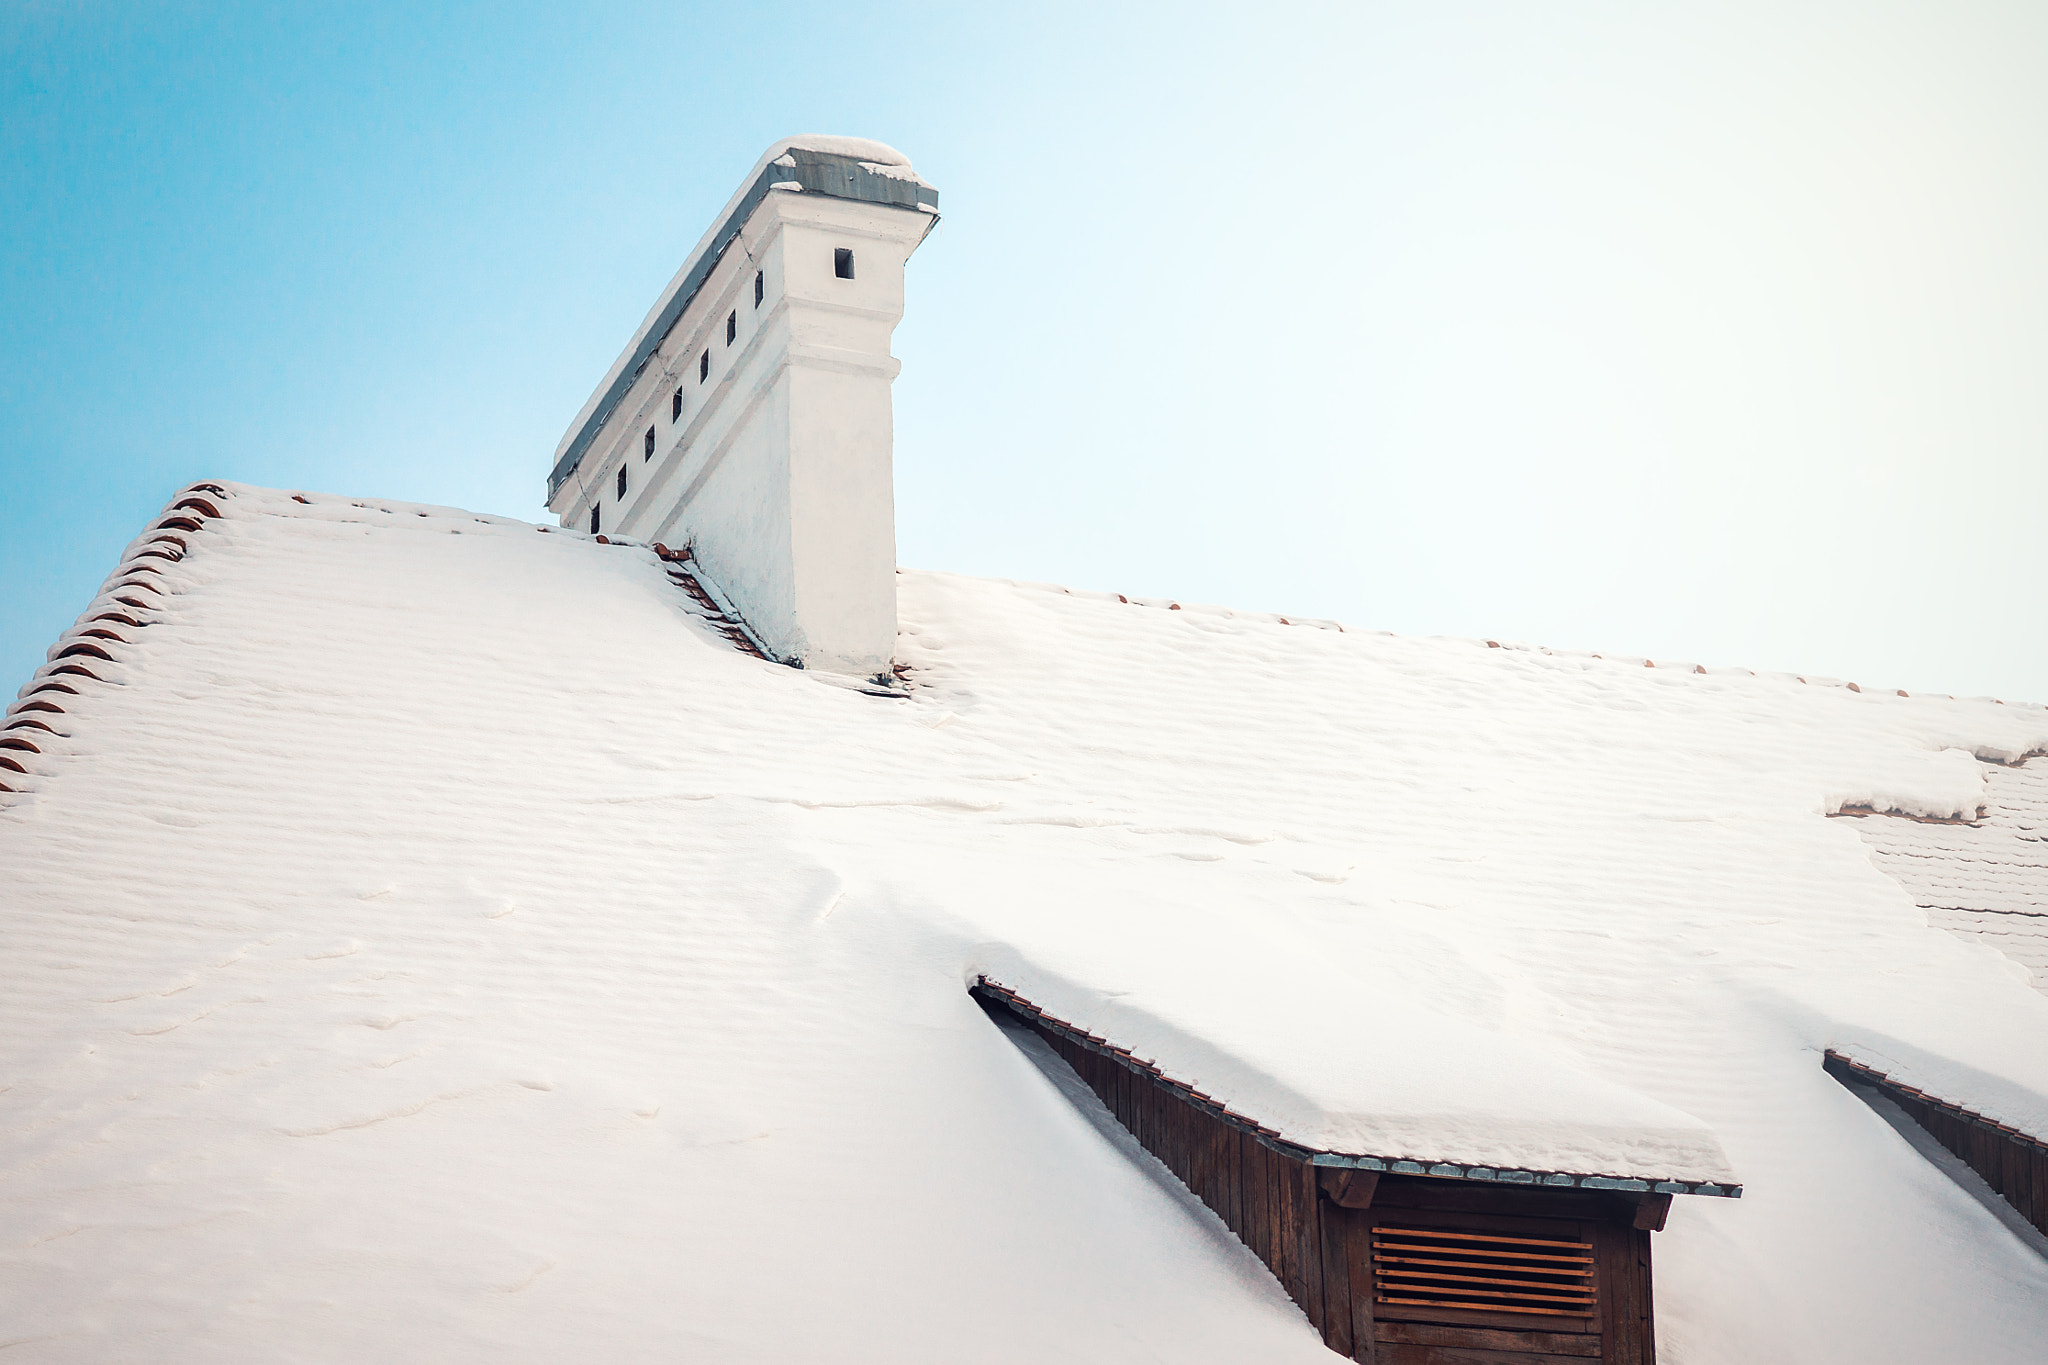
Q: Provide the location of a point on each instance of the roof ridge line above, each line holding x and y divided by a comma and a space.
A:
165, 539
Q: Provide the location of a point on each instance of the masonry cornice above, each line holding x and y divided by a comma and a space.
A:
820, 178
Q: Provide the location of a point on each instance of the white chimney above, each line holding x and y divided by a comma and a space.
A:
750, 420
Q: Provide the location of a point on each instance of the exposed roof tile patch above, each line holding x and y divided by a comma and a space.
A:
1856, 810
681, 568
1985, 879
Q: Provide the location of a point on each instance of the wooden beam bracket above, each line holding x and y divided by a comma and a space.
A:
1350, 1188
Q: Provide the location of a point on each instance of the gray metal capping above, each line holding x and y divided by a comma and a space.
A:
1443, 1170
826, 173
1447, 1170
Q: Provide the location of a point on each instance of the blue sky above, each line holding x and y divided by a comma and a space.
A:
1714, 336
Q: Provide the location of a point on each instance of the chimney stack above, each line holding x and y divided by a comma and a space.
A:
750, 416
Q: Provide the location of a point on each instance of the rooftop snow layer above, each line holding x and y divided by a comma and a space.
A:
430, 938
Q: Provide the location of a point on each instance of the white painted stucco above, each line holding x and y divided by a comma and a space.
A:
777, 471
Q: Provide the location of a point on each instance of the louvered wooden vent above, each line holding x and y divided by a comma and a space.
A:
1442, 1268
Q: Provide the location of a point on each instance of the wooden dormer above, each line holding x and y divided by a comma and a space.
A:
1399, 1262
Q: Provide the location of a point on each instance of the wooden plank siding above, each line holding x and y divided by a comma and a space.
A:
1321, 1252
2012, 1162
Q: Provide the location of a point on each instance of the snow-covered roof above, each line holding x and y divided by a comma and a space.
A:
427, 935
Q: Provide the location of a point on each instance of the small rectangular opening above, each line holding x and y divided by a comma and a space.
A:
1481, 1271
842, 262
675, 406
760, 287
732, 326
703, 367
622, 483
646, 448
594, 510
